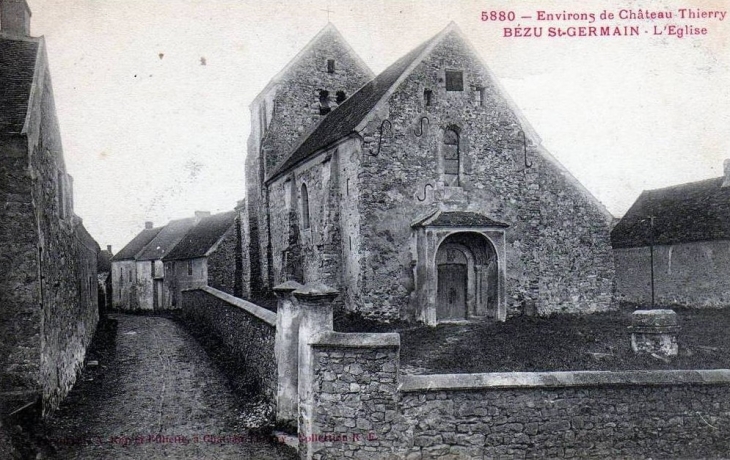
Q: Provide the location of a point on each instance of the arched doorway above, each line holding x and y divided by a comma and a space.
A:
467, 277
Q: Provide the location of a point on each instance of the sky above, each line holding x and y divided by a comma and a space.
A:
152, 96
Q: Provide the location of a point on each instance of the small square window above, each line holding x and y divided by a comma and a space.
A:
330, 66
454, 80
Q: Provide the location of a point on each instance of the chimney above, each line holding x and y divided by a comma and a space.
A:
199, 215
109, 248
726, 165
148, 225
15, 17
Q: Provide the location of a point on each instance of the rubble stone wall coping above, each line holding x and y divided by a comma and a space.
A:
439, 382
356, 340
261, 313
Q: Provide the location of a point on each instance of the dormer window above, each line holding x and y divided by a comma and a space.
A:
454, 80
330, 66
341, 96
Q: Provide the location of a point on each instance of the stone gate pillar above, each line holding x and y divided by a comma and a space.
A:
315, 309
286, 351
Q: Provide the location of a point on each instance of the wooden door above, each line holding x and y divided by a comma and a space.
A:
451, 300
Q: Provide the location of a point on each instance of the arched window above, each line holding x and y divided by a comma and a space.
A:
427, 96
451, 157
324, 102
305, 207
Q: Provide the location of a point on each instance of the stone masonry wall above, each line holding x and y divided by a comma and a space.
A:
222, 263
19, 285
68, 261
688, 274
359, 413
577, 272
355, 392
665, 421
247, 330
543, 207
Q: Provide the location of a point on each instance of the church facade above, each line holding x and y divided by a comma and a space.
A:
420, 193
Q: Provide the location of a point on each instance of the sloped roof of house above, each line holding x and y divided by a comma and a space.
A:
137, 244
203, 237
165, 241
344, 119
456, 219
17, 69
696, 211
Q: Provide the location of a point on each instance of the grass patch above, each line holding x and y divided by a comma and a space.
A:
562, 342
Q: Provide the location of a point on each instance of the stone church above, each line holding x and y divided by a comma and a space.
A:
420, 193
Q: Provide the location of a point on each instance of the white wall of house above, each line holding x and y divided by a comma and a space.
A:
695, 274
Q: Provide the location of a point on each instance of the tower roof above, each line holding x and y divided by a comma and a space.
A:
327, 31
344, 119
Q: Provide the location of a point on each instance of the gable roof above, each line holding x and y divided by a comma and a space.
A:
18, 59
203, 237
347, 116
457, 219
696, 211
165, 241
138, 243
328, 29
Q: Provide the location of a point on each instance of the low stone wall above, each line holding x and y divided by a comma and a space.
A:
246, 329
359, 413
664, 414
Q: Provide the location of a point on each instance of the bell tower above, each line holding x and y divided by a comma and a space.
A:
15, 17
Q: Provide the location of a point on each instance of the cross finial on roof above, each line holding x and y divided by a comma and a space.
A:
328, 12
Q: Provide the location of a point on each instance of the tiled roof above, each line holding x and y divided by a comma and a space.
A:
201, 238
169, 236
696, 211
17, 67
344, 119
457, 219
465, 219
138, 243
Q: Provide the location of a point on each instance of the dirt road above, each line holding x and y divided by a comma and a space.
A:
160, 397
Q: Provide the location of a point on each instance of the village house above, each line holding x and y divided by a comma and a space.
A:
152, 290
124, 269
206, 256
48, 290
684, 230
420, 194
104, 278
